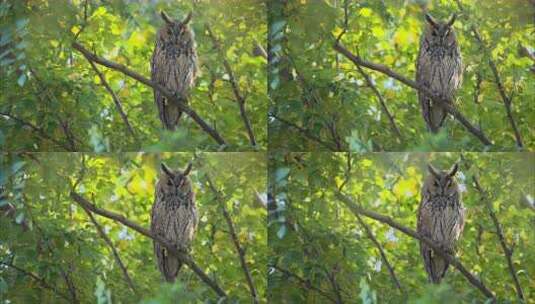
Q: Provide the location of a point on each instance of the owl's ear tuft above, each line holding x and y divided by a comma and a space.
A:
187, 19
188, 169
432, 170
453, 170
166, 170
452, 19
165, 17
431, 20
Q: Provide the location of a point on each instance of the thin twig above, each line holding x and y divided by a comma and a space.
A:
116, 100
304, 132
506, 250
113, 250
41, 281
382, 103
240, 98
239, 249
506, 100
368, 230
356, 209
38, 130
357, 60
173, 250
168, 94
371, 236
305, 283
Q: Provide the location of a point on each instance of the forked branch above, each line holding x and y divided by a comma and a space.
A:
356, 209
239, 248
240, 98
168, 94
182, 256
506, 249
357, 60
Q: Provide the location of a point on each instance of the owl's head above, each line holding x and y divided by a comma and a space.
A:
441, 182
174, 182
175, 30
440, 33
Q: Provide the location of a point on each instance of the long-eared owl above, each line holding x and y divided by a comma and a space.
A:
440, 218
439, 68
174, 66
174, 217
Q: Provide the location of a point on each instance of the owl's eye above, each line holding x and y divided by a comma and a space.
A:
169, 183
435, 183
434, 33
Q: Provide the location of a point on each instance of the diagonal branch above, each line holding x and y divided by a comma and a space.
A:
182, 256
381, 100
305, 132
239, 249
305, 283
357, 60
506, 100
506, 250
113, 250
37, 130
116, 100
368, 230
41, 281
168, 94
371, 236
356, 209
240, 98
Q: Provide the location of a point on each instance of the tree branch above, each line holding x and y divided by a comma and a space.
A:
356, 209
235, 88
239, 249
304, 132
168, 94
411, 83
381, 100
305, 283
506, 100
506, 250
182, 256
371, 236
113, 250
41, 281
116, 100
38, 130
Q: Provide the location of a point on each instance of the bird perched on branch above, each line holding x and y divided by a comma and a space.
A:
174, 66
440, 218
173, 217
439, 68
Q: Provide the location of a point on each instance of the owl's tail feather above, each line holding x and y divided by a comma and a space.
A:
439, 267
437, 117
168, 265
170, 116
435, 266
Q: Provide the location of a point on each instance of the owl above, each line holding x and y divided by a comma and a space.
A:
439, 68
174, 217
440, 218
174, 66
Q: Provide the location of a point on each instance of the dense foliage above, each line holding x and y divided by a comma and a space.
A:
325, 103
51, 237
52, 100
315, 237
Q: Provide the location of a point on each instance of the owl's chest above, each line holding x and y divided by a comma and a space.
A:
446, 218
